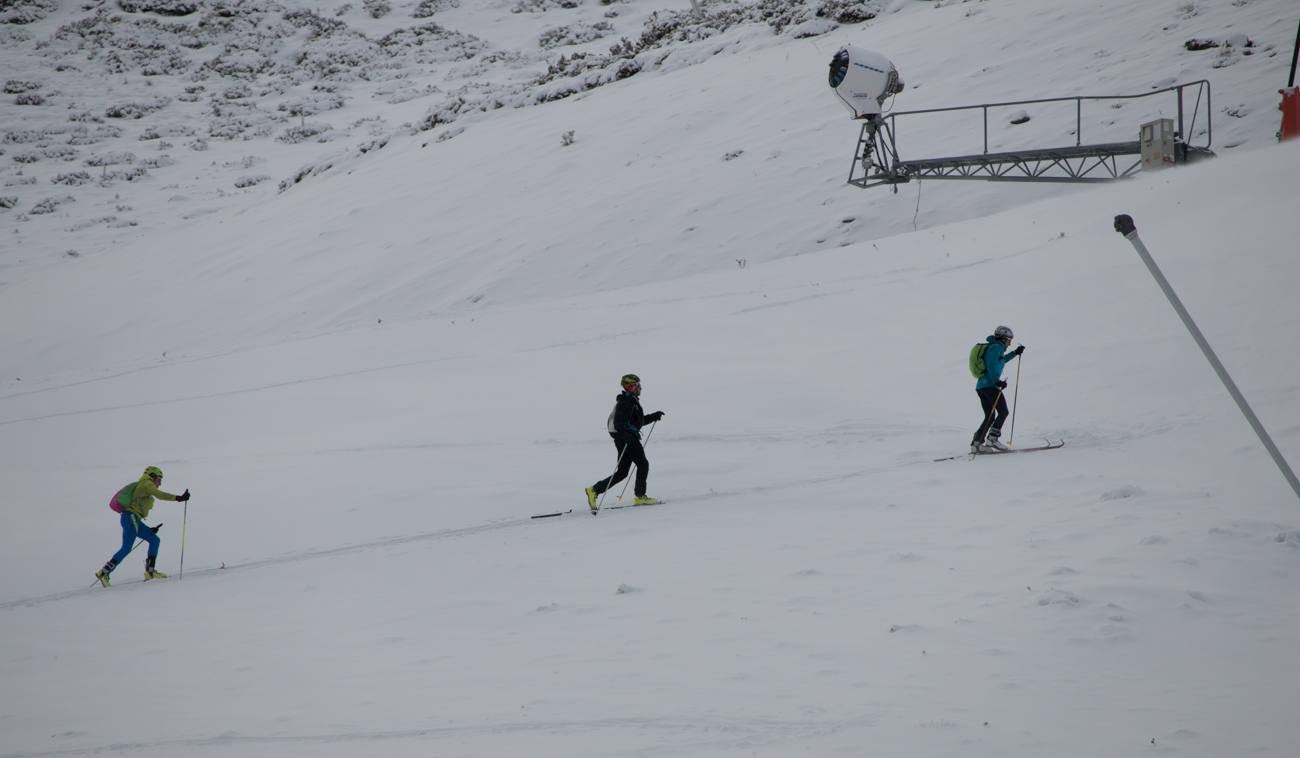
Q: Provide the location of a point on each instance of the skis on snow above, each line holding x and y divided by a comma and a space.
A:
606, 508
1049, 445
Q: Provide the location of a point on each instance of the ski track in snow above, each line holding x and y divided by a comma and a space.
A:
668, 732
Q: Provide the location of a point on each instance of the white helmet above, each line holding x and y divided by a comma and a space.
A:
1003, 333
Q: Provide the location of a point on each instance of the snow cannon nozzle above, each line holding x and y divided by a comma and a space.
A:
1124, 225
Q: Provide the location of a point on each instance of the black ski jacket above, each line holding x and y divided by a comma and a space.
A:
627, 418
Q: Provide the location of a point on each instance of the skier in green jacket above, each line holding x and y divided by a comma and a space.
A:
134, 501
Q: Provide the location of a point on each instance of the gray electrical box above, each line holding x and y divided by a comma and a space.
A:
1158, 139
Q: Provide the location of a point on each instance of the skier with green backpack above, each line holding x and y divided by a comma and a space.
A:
134, 501
987, 359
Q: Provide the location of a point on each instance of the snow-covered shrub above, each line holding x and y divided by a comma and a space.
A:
136, 109
566, 138
81, 135
87, 117
73, 178
445, 113
149, 134
574, 34
25, 11
18, 86
237, 92
161, 7
332, 51
161, 161
29, 156
228, 128
377, 8
111, 159
123, 174
24, 136
234, 62
848, 11
310, 169
61, 153
51, 204
426, 8
8, 201
310, 106
432, 43
250, 181
541, 6
192, 93
295, 134
29, 98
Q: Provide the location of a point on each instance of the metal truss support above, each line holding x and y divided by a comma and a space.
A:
876, 160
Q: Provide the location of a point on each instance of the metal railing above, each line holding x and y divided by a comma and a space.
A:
877, 144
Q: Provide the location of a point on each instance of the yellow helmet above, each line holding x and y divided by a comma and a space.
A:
153, 472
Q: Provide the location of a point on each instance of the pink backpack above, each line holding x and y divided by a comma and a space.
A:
122, 498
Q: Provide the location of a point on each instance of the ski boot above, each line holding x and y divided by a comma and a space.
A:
645, 500
150, 572
591, 498
102, 574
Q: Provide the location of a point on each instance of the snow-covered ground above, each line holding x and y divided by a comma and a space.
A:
371, 378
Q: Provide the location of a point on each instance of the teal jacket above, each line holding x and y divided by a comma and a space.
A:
995, 359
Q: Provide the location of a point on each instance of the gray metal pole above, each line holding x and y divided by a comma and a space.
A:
1124, 225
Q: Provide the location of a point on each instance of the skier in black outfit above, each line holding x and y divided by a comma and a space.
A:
624, 425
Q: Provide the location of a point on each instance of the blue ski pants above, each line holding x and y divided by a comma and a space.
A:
132, 528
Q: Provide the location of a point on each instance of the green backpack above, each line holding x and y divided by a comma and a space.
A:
977, 367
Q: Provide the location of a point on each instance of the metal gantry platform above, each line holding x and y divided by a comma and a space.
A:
876, 160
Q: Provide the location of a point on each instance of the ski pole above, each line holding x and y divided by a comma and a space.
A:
1015, 397
601, 503
629, 478
1125, 226
185, 517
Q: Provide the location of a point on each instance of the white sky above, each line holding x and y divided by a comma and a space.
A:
816, 584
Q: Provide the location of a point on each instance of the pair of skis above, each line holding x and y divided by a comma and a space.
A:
606, 508
1049, 445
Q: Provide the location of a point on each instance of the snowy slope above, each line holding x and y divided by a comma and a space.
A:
502, 211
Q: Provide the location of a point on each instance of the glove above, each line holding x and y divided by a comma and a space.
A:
1002, 384
1019, 350
154, 529
653, 417
184, 496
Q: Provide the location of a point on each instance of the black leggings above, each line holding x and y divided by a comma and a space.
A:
629, 452
991, 400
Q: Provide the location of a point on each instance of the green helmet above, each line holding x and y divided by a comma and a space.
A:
153, 472
629, 379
